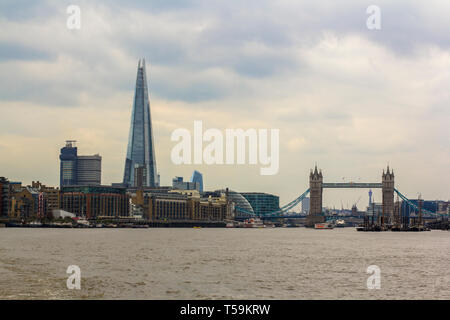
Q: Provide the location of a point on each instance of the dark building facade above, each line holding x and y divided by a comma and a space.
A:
4, 197
95, 201
140, 151
68, 164
262, 203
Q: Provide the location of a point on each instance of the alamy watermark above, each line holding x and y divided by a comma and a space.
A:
374, 281
74, 18
373, 21
221, 150
74, 280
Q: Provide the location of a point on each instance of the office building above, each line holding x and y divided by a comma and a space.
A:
79, 170
178, 183
95, 201
89, 170
4, 197
68, 164
27, 203
197, 177
172, 207
262, 203
305, 205
140, 151
51, 196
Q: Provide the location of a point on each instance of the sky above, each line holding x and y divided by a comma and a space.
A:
346, 97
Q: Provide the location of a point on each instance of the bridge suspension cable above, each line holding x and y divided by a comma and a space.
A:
414, 206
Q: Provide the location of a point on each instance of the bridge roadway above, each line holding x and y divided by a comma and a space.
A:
364, 185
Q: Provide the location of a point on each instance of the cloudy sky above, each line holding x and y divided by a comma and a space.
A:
345, 97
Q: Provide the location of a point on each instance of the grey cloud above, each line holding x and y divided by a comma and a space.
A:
25, 10
16, 51
281, 29
190, 92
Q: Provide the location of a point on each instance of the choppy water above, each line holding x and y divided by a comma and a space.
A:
280, 263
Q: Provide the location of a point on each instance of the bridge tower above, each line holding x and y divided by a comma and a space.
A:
315, 202
388, 196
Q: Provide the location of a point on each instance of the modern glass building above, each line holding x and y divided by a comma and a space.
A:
178, 183
198, 178
89, 170
305, 205
262, 203
78, 170
430, 205
140, 151
68, 164
4, 197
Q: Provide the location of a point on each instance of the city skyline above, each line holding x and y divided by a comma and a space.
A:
350, 99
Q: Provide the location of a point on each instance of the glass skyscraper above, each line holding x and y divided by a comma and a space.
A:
140, 152
198, 178
78, 170
68, 164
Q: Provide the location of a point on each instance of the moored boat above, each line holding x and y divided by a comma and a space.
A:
324, 225
254, 223
340, 223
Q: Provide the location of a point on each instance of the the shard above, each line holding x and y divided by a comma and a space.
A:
140, 164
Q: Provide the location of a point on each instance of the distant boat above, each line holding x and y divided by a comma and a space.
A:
254, 223
35, 224
340, 223
140, 226
324, 225
82, 223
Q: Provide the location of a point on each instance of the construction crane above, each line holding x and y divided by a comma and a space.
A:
357, 201
354, 207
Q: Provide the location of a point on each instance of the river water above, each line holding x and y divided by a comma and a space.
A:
273, 263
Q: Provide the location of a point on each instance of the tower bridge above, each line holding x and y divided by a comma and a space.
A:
316, 186
390, 214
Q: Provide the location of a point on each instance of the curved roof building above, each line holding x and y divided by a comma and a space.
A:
239, 201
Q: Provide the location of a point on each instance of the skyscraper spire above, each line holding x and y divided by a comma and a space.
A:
140, 158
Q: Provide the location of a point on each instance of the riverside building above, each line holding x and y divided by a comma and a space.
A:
96, 201
183, 206
262, 203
